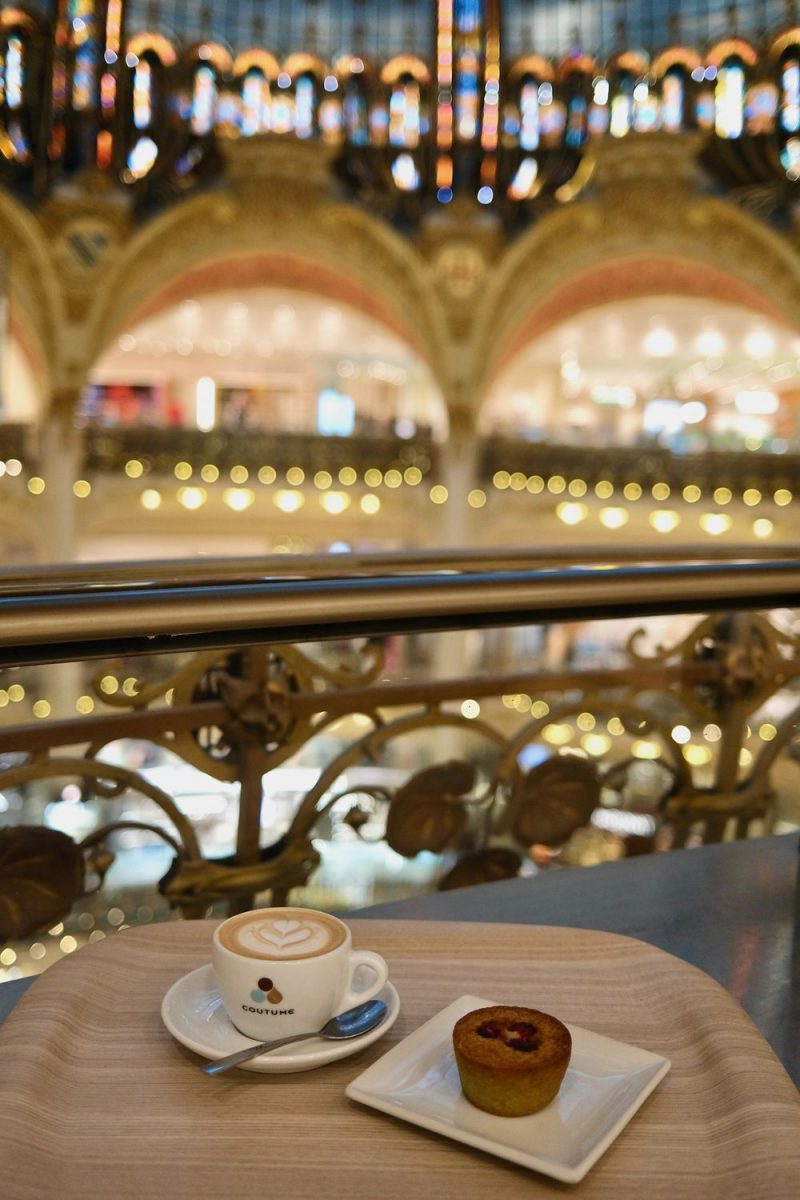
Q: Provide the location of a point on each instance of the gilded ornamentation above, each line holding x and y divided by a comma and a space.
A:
255, 689
41, 877
238, 714
280, 868
549, 802
429, 813
461, 269
729, 251
746, 650
274, 200
482, 866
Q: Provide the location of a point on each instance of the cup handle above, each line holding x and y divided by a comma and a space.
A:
364, 958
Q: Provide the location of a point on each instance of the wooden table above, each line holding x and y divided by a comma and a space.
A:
733, 910
98, 1102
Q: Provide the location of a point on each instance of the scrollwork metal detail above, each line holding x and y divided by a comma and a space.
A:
237, 715
554, 799
429, 812
41, 877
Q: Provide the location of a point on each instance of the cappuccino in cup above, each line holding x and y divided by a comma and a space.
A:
282, 934
282, 971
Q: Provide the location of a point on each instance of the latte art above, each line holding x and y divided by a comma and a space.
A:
282, 934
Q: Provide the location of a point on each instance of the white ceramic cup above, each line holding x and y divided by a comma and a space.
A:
282, 971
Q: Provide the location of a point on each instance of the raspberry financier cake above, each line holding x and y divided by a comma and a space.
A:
511, 1060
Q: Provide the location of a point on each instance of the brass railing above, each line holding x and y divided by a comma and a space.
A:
645, 464
697, 732
106, 451
527, 467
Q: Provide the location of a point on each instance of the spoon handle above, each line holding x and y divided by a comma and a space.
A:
233, 1060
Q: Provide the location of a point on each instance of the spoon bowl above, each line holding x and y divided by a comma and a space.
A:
351, 1024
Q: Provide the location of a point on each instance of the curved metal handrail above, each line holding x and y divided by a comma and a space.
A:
94, 611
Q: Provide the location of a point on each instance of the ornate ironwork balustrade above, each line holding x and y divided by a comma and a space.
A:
509, 758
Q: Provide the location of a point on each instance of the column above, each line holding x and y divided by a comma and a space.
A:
60, 466
456, 652
459, 474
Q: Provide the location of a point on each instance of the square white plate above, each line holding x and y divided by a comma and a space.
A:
606, 1082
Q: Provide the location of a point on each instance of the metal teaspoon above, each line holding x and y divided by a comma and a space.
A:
350, 1024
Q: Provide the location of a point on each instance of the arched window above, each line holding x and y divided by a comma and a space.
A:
405, 78
622, 105
305, 100
143, 94
404, 113
675, 72
330, 111
728, 65
575, 75
283, 106
355, 108
149, 56
790, 90
256, 103
529, 116
646, 108
256, 71
15, 72
729, 99
303, 76
673, 99
19, 92
630, 95
208, 100
784, 58
204, 100
599, 109
530, 93
83, 36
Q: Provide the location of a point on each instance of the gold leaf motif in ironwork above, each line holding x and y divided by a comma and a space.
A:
429, 812
553, 800
484, 866
41, 877
284, 865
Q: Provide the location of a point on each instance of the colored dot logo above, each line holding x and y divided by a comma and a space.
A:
266, 990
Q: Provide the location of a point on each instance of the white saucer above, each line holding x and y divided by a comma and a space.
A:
193, 1013
606, 1083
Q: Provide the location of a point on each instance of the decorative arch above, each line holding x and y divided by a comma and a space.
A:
348, 64
155, 43
12, 17
531, 64
405, 64
277, 233
791, 37
259, 60
216, 55
302, 64
36, 306
675, 56
629, 60
576, 64
732, 48
596, 253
